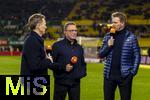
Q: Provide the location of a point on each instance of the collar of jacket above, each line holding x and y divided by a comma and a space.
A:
123, 31
69, 42
127, 32
37, 36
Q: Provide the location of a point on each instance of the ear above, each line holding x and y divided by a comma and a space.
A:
37, 26
123, 23
64, 32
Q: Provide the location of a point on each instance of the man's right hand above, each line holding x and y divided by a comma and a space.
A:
69, 67
50, 58
111, 41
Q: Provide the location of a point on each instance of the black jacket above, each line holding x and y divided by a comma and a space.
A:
62, 51
34, 60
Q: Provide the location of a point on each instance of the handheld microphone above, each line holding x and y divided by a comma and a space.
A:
48, 52
74, 60
112, 32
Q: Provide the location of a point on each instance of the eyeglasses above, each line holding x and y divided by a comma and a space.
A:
72, 30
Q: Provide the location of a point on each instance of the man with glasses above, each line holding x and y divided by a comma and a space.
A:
68, 51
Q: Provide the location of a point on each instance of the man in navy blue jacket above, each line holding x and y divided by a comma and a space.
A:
34, 58
122, 58
64, 51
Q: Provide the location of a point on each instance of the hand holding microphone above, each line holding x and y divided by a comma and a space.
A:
112, 34
73, 61
48, 53
50, 57
111, 41
69, 67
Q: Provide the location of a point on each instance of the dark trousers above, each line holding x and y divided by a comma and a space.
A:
60, 92
125, 88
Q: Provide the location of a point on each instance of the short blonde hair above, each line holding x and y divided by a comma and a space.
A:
120, 15
34, 20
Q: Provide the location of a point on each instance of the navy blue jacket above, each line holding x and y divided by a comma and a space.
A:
130, 56
62, 51
34, 60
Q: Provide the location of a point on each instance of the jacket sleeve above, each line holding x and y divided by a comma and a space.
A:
55, 65
104, 50
83, 63
136, 54
36, 60
58, 66
33, 56
80, 68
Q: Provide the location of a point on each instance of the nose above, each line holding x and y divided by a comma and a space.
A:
45, 27
113, 25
